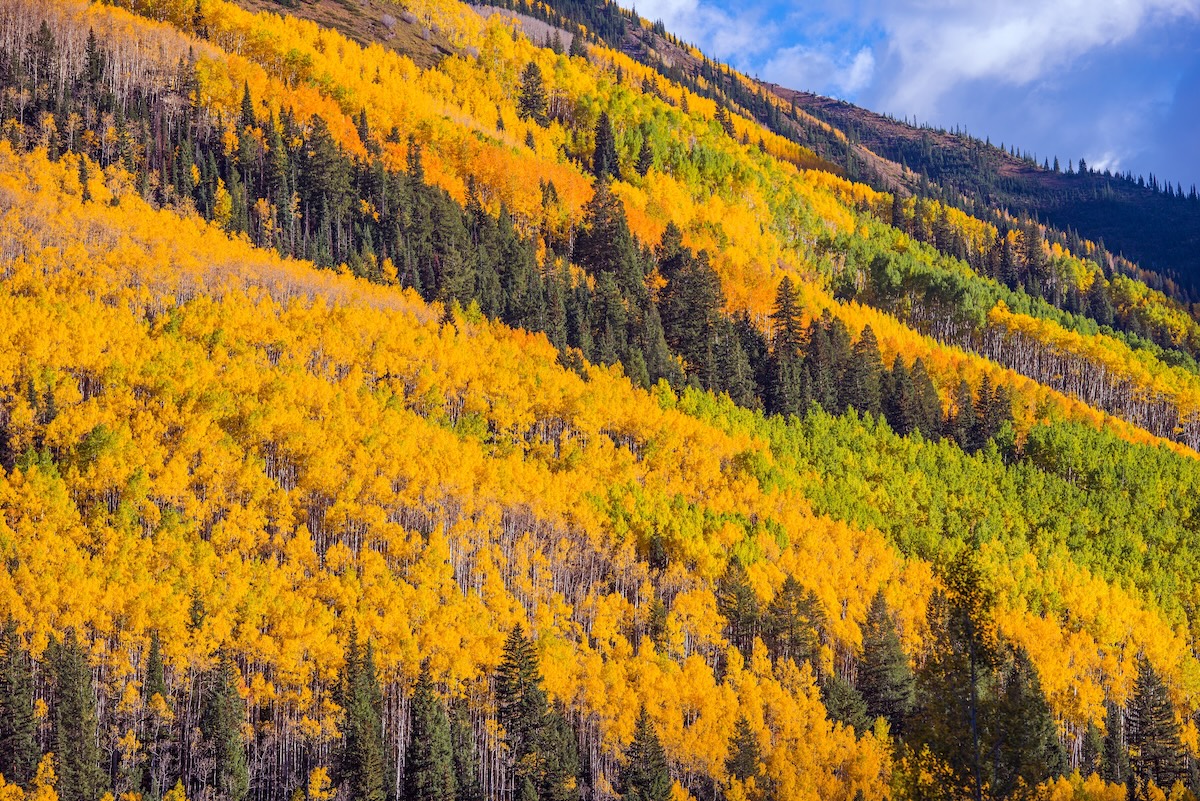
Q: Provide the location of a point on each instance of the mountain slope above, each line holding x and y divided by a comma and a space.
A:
324, 377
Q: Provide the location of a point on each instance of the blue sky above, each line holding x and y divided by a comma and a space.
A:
1114, 81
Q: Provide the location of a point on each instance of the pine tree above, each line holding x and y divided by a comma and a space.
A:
929, 405
158, 737
785, 379
900, 400
1025, 745
466, 759
1092, 753
645, 158
961, 427
644, 776
429, 761
521, 705
531, 96
793, 623
885, 677
558, 761
18, 727
604, 159
76, 735
1114, 764
861, 379
844, 703
738, 604
1156, 751
363, 760
743, 760
221, 729
954, 684
577, 47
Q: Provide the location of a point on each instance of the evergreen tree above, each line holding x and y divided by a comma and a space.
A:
644, 776
738, 604
956, 680
577, 47
363, 759
792, 624
645, 158
785, 381
928, 404
861, 379
466, 759
158, 728
1092, 753
961, 427
429, 760
1114, 765
900, 399
221, 730
531, 96
156, 683
689, 306
1099, 306
844, 703
558, 761
1156, 751
1025, 746
76, 736
18, 727
885, 677
604, 159
743, 760
521, 706
785, 318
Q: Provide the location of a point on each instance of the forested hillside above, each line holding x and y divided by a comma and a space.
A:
460, 416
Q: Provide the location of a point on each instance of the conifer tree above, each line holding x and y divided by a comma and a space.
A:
558, 760
1025, 745
962, 426
928, 404
604, 159
792, 624
956, 681
861, 379
738, 604
521, 706
363, 760
785, 379
1092, 753
466, 759
531, 97
1156, 751
429, 773
221, 729
577, 47
885, 677
744, 755
18, 727
644, 776
645, 158
76, 735
1114, 763
900, 399
844, 703
158, 737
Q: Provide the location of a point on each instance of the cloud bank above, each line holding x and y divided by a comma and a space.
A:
1115, 81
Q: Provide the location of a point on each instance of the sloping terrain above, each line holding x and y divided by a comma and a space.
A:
496, 422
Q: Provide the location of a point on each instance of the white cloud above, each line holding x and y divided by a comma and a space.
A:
721, 34
937, 45
821, 69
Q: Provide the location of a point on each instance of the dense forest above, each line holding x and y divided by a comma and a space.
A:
546, 425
